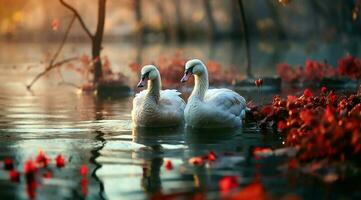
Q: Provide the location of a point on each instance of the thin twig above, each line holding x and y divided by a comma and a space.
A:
81, 21
63, 41
51, 64
69, 84
49, 68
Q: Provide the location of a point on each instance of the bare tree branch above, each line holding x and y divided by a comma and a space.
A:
69, 84
50, 67
63, 41
51, 64
81, 21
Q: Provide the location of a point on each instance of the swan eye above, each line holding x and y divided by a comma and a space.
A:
146, 75
189, 70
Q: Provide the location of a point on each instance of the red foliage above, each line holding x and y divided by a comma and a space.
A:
30, 170
228, 183
47, 175
41, 159
288, 74
29, 167
314, 71
261, 150
197, 161
168, 165
307, 93
323, 89
258, 82
8, 164
83, 170
60, 161
253, 191
350, 66
211, 156
322, 126
84, 186
172, 69
14, 175
31, 189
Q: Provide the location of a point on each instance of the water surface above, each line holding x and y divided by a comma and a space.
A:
126, 163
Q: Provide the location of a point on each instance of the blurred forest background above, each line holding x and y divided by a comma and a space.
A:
142, 31
29, 20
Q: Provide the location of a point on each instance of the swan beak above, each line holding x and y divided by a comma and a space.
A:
141, 83
185, 77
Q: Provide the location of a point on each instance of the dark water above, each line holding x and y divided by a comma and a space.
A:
125, 163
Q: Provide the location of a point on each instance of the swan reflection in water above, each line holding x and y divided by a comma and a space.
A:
184, 143
152, 155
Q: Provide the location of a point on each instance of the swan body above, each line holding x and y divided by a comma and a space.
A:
155, 107
211, 108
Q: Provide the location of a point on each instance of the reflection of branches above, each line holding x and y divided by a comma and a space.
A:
51, 64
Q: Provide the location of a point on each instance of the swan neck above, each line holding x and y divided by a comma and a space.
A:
154, 87
201, 86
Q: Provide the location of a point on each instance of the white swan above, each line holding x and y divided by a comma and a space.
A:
155, 107
211, 108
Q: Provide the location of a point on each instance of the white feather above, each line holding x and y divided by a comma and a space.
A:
166, 111
213, 108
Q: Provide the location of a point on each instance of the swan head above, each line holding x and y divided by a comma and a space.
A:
148, 72
193, 67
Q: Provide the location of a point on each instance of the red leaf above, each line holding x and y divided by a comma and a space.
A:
254, 191
47, 175
14, 175
168, 165
84, 186
83, 170
55, 24
31, 189
228, 183
8, 164
323, 89
281, 126
307, 93
29, 167
211, 156
267, 110
197, 161
41, 159
258, 82
60, 161
291, 98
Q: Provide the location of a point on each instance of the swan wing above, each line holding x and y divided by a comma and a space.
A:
226, 100
171, 99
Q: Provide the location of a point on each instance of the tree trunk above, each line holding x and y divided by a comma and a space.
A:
236, 31
178, 14
139, 20
164, 20
246, 37
97, 42
210, 18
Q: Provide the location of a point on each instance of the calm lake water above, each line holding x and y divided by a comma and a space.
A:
125, 163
